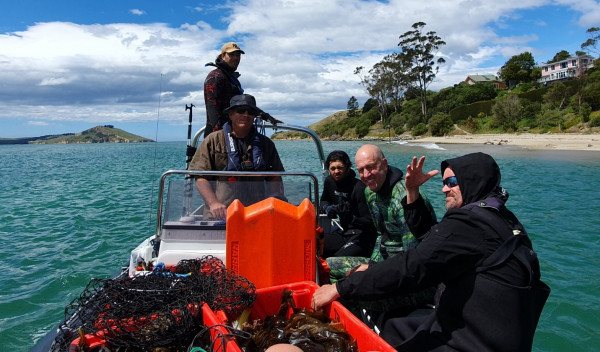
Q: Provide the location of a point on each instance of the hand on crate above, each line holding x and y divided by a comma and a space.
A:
324, 295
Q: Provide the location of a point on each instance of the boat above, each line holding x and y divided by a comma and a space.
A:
248, 248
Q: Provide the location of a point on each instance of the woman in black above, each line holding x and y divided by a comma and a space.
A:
344, 197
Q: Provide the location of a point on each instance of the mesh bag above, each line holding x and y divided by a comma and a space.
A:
160, 309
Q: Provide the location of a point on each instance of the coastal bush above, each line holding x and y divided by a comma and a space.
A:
420, 129
585, 111
362, 126
397, 120
440, 124
399, 130
471, 124
507, 112
372, 115
549, 119
529, 109
595, 121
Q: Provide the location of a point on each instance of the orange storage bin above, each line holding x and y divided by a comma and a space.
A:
272, 242
268, 302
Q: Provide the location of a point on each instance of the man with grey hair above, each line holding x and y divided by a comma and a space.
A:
490, 295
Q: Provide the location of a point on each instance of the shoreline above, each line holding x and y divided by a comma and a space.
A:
548, 141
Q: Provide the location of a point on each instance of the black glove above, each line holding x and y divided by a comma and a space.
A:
267, 117
331, 211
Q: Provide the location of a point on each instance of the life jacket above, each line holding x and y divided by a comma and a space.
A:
235, 157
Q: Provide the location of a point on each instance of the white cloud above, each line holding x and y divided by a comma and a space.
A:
37, 123
137, 12
299, 61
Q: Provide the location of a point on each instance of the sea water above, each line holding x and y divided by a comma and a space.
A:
69, 213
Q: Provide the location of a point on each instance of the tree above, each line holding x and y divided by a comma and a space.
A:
519, 68
440, 124
560, 56
369, 104
352, 107
507, 112
419, 49
378, 85
592, 43
557, 95
401, 77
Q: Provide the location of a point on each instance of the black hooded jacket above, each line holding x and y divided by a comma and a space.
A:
477, 308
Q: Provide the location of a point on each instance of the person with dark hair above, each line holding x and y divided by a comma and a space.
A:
221, 84
384, 191
237, 147
344, 197
490, 295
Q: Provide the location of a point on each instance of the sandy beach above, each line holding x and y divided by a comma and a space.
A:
562, 141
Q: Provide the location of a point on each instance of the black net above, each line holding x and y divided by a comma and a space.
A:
160, 309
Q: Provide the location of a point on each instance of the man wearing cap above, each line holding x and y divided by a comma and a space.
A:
221, 85
237, 147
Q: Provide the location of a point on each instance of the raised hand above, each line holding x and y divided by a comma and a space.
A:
415, 178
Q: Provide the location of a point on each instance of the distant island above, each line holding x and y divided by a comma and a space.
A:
98, 134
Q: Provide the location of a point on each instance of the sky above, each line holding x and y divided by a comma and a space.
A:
69, 65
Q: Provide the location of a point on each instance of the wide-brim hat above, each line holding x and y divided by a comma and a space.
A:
231, 47
243, 100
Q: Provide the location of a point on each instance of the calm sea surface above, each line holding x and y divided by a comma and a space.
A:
69, 213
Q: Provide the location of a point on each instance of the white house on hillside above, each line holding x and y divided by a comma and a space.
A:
565, 69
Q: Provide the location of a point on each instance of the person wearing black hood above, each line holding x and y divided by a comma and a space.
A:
344, 197
489, 296
221, 85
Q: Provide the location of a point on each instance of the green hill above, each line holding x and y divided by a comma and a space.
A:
98, 134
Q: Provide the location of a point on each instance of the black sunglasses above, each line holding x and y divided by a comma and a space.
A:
451, 181
245, 110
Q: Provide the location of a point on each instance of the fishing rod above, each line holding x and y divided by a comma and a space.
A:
190, 149
189, 181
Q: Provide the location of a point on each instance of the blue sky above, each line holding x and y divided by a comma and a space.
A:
68, 65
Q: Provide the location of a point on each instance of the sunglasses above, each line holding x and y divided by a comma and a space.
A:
451, 181
245, 110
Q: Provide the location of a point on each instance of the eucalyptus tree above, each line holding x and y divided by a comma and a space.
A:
420, 48
591, 45
402, 77
379, 84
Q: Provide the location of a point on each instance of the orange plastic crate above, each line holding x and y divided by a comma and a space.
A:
268, 302
272, 242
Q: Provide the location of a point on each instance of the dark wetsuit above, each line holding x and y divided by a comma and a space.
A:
220, 86
358, 237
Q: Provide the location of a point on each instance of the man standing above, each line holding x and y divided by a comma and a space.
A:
237, 147
221, 85
490, 295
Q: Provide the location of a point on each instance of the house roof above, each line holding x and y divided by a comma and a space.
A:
483, 78
569, 59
